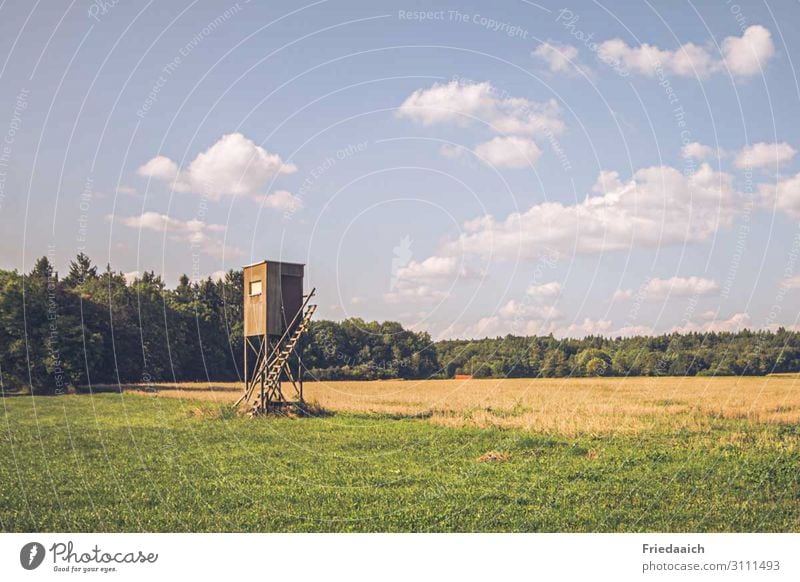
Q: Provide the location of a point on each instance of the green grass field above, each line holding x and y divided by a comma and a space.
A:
122, 462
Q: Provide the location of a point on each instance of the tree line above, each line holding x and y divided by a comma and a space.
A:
95, 327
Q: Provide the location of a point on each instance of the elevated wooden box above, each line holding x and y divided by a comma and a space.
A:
273, 294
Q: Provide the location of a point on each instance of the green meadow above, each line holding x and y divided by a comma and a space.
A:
124, 462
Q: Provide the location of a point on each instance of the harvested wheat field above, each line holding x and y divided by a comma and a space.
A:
564, 406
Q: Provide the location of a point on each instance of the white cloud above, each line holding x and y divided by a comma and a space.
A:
559, 58
622, 294
131, 276
509, 152
631, 331
281, 200
545, 290
584, 328
784, 195
697, 151
657, 289
424, 280
233, 166
748, 54
199, 234
127, 190
523, 310
645, 59
530, 316
498, 325
735, 323
460, 101
764, 155
431, 268
791, 282
490, 326
162, 222
160, 168
744, 56
659, 206
451, 102
516, 119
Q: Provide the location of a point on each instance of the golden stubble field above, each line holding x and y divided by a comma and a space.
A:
565, 406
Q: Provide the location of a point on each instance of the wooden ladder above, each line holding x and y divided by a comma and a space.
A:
274, 369
269, 368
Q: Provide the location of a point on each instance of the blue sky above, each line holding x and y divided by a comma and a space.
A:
464, 168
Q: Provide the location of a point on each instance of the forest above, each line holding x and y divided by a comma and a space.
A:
93, 326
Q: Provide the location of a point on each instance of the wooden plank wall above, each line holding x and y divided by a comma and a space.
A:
255, 308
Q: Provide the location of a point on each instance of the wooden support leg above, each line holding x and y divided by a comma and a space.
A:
300, 376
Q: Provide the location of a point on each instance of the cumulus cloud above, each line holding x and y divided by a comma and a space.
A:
525, 310
646, 59
490, 326
791, 282
784, 195
658, 206
583, 328
743, 56
534, 314
509, 152
127, 190
735, 323
233, 166
162, 222
697, 151
131, 276
656, 289
199, 234
282, 200
160, 168
559, 58
431, 268
423, 280
622, 294
764, 155
748, 54
631, 331
502, 323
514, 118
544, 291
509, 320
462, 101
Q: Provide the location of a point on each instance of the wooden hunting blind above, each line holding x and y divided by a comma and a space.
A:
276, 314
